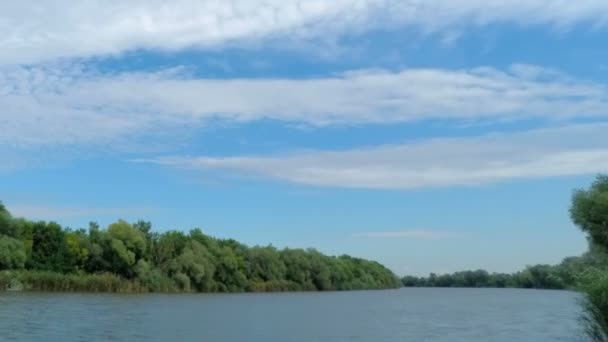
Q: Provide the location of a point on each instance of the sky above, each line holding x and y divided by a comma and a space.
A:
429, 135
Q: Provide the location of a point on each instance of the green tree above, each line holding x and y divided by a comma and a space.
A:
265, 264
7, 224
149, 276
145, 227
589, 211
126, 246
98, 259
77, 245
12, 253
193, 269
230, 271
298, 267
49, 250
321, 272
168, 246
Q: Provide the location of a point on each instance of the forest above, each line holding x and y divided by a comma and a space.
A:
565, 275
131, 257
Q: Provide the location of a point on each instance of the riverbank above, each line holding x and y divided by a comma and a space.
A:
23, 280
46, 281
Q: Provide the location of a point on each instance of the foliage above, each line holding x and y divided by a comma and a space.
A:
7, 224
538, 277
566, 275
131, 257
589, 211
35, 280
12, 253
49, 248
595, 286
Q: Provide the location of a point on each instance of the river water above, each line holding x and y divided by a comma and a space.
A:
409, 314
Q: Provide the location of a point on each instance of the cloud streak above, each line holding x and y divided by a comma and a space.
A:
110, 27
49, 212
565, 151
66, 104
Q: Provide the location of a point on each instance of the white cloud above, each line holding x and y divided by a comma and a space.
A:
420, 234
69, 105
47, 30
59, 28
566, 151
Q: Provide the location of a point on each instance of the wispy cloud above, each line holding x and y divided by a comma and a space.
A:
565, 151
70, 105
420, 234
51, 212
109, 27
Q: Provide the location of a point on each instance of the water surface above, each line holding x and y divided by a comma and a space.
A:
369, 316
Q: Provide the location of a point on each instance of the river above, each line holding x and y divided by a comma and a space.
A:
411, 314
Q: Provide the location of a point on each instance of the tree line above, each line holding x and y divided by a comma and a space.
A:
132, 257
566, 275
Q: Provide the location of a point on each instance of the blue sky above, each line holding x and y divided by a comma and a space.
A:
432, 136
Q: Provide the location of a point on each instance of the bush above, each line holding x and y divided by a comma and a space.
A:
594, 285
53, 281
